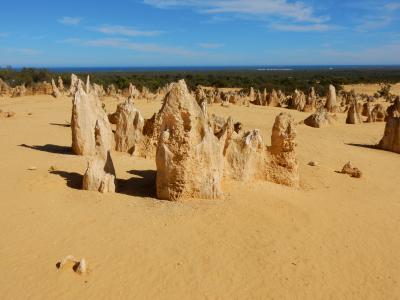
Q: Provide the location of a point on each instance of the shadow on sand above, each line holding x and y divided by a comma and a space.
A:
61, 125
74, 180
364, 146
143, 185
50, 148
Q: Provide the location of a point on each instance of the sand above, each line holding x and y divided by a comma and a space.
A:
334, 238
371, 89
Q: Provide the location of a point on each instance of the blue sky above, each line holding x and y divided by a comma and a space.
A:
199, 32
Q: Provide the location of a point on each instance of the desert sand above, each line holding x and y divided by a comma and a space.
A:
370, 89
335, 237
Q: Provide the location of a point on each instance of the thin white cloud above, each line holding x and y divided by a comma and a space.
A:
376, 22
25, 51
303, 28
379, 15
125, 44
295, 10
70, 20
392, 6
125, 31
211, 45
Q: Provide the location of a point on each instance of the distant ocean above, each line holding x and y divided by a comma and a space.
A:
218, 68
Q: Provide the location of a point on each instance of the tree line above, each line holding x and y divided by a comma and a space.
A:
286, 81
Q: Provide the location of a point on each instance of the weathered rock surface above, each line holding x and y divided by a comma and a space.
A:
86, 111
391, 137
331, 103
74, 84
56, 93
311, 101
297, 101
60, 84
189, 156
5, 89
352, 171
273, 99
354, 113
111, 91
129, 126
6, 114
19, 91
320, 119
100, 173
245, 157
283, 167
133, 92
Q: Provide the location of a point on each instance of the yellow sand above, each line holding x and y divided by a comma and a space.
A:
335, 238
371, 89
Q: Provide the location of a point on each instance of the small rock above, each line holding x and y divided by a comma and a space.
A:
32, 168
352, 171
52, 168
82, 267
313, 164
6, 114
78, 266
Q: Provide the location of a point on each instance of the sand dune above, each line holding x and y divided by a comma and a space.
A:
334, 238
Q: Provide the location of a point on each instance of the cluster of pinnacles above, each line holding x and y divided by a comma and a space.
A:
193, 153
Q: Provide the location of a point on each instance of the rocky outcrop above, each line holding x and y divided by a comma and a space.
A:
320, 119
56, 93
252, 95
100, 172
351, 171
41, 88
5, 89
377, 114
354, 113
311, 101
133, 92
297, 101
394, 110
245, 156
189, 156
99, 90
74, 85
331, 103
19, 91
60, 84
366, 109
111, 91
391, 137
282, 167
86, 111
129, 126
273, 99
6, 114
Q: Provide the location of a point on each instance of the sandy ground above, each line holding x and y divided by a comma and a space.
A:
335, 238
371, 89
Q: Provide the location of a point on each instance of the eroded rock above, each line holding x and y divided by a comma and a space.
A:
189, 156
320, 119
129, 126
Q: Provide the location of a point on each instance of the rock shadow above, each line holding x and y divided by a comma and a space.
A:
61, 125
143, 185
50, 148
364, 146
74, 180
